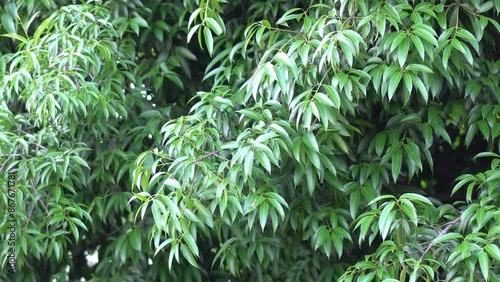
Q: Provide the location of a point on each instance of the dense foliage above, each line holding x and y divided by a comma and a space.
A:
216, 140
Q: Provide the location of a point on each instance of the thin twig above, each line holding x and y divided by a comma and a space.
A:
34, 143
33, 189
5, 162
205, 157
441, 234
40, 146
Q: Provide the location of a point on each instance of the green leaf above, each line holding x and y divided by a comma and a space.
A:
289, 15
418, 45
311, 180
402, 52
365, 225
209, 40
396, 163
447, 237
409, 210
192, 31
284, 59
354, 201
333, 94
396, 42
8, 23
487, 155
413, 152
191, 216
263, 213
386, 219
421, 88
263, 160
251, 114
170, 182
141, 22
418, 68
337, 244
380, 142
407, 79
184, 52
322, 98
394, 83
158, 210
277, 206
493, 250
426, 33
186, 253
135, 239
248, 163
191, 243
163, 245
462, 48
304, 54
15, 36
213, 25
465, 34
311, 142
341, 143
320, 236
416, 198
484, 264
134, 26
78, 222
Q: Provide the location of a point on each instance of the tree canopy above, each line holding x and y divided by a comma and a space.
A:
212, 140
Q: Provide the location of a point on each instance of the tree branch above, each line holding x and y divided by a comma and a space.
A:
34, 143
205, 157
5, 163
441, 234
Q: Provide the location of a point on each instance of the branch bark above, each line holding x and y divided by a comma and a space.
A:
441, 234
205, 157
